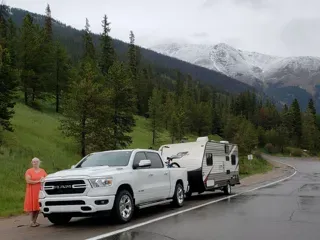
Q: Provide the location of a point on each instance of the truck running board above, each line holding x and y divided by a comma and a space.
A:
154, 203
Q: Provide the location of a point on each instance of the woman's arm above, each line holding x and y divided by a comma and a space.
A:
28, 180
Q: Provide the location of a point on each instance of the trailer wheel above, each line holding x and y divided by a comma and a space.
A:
227, 189
178, 197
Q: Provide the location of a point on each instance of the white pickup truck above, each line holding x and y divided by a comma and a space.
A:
114, 182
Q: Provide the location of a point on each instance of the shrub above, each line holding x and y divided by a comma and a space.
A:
269, 148
257, 154
296, 152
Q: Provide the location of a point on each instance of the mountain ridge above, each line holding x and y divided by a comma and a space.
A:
275, 75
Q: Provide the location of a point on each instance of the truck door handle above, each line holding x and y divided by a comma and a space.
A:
166, 173
150, 175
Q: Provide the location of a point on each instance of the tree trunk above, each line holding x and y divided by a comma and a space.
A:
33, 94
115, 132
83, 136
25, 96
57, 98
57, 89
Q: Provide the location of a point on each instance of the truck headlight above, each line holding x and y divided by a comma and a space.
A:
101, 182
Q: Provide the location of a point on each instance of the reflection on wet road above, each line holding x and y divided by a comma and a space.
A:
287, 210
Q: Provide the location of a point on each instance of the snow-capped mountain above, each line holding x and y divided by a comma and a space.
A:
283, 78
252, 68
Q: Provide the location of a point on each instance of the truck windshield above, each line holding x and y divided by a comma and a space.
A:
111, 159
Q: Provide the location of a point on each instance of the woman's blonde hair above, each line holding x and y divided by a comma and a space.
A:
36, 159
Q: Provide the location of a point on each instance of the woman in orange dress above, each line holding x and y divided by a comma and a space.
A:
33, 176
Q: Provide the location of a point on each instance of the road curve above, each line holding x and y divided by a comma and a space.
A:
287, 210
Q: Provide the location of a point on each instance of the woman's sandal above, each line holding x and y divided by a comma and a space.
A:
34, 224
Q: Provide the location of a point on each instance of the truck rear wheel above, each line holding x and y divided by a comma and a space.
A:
123, 206
59, 219
178, 197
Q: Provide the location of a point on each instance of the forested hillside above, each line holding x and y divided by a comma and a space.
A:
161, 64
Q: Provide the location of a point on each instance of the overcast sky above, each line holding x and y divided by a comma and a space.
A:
278, 27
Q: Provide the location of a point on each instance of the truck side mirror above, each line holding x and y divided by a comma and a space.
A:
142, 164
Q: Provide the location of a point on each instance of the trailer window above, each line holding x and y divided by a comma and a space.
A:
226, 148
209, 159
233, 159
227, 158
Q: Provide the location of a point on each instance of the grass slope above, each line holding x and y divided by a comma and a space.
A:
255, 166
37, 135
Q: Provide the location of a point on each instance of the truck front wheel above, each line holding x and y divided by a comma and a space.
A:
178, 197
59, 219
123, 206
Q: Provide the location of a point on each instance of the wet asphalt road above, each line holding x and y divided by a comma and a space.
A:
288, 210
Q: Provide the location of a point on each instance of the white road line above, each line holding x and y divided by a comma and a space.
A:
192, 208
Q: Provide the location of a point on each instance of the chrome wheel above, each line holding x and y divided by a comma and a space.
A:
180, 195
125, 206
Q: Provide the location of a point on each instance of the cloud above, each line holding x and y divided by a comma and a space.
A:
257, 25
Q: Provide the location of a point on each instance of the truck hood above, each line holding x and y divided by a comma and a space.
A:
86, 172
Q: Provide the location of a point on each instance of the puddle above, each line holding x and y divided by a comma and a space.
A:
309, 203
310, 187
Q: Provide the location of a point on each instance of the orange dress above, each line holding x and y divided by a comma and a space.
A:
31, 202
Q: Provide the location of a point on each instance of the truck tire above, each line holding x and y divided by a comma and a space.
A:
178, 197
59, 219
123, 206
227, 189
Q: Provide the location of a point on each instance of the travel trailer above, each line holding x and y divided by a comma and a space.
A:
211, 165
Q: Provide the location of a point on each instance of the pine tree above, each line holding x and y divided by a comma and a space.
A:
4, 15
8, 87
30, 62
123, 105
295, 122
108, 54
132, 57
48, 25
155, 114
62, 73
89, 50
312, 109
48, 55
86, 111
173, 127
169, 109
310, 132
13, 42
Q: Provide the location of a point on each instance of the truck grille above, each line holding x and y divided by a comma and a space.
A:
65, 187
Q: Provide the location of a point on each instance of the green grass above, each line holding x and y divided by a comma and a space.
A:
255, 166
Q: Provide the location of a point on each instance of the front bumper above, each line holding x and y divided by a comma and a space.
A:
76, 204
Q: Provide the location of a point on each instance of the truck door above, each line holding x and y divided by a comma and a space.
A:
143, 181
160, 177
